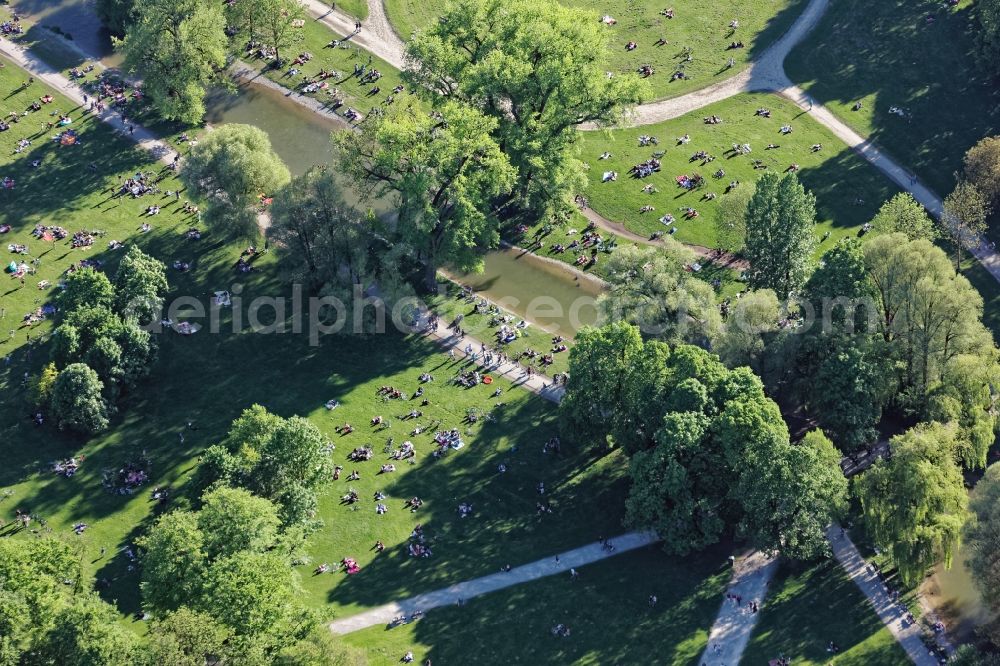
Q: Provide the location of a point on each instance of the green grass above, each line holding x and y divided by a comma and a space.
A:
316, 38
606, 611
699, 24
357, 8
848, 190
209, 378
810, 605
887, 54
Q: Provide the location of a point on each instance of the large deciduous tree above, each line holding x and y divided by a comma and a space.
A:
982, 168
282, 460
982, 536
178, 47
233, 167
77, 401
337, 251
140, 283
903, 214
780, 222
653, 289
701, 440
538, 69
966, 210
915, 504
445, 170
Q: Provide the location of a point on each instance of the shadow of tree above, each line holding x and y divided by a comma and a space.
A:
915, 55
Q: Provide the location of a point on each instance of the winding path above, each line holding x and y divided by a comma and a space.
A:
376, 33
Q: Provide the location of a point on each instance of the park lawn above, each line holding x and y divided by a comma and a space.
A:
848, 190
316, 38
809, 605
606, 610
702, 25
208, 379
886, 54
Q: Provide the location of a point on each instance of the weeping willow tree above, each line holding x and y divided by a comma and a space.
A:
915, 505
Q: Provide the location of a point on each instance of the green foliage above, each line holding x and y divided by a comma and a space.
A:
77, 402
599, 360
178, 47
283, 460
41, 386
233, 520
794, 493
902, 214
709, 449
779, 240
173, 562
115, 14
86, 287
651, 288
252, 593
988, 38
186, 638
46, 617
140, 283
232, 167
270, 22
966, 210
915, 505
982, 163
87, 632
982, 536
539, 70
445, 170
964, 397
847, 390
925, 312
751, 330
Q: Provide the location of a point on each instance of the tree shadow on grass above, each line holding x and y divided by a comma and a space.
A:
927, 68
584, 487
606, 611
776, 27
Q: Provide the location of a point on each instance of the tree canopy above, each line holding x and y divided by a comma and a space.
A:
537, 69
282, 460
445, 169
903, 214
982, 166
178, 47
779, 234
701, 437
233, 167
77, 400
915, 504
651, 288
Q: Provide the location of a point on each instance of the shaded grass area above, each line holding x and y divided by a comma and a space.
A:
606, 610
888, 54
702, 25
848, 190
810, 605
343, 59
